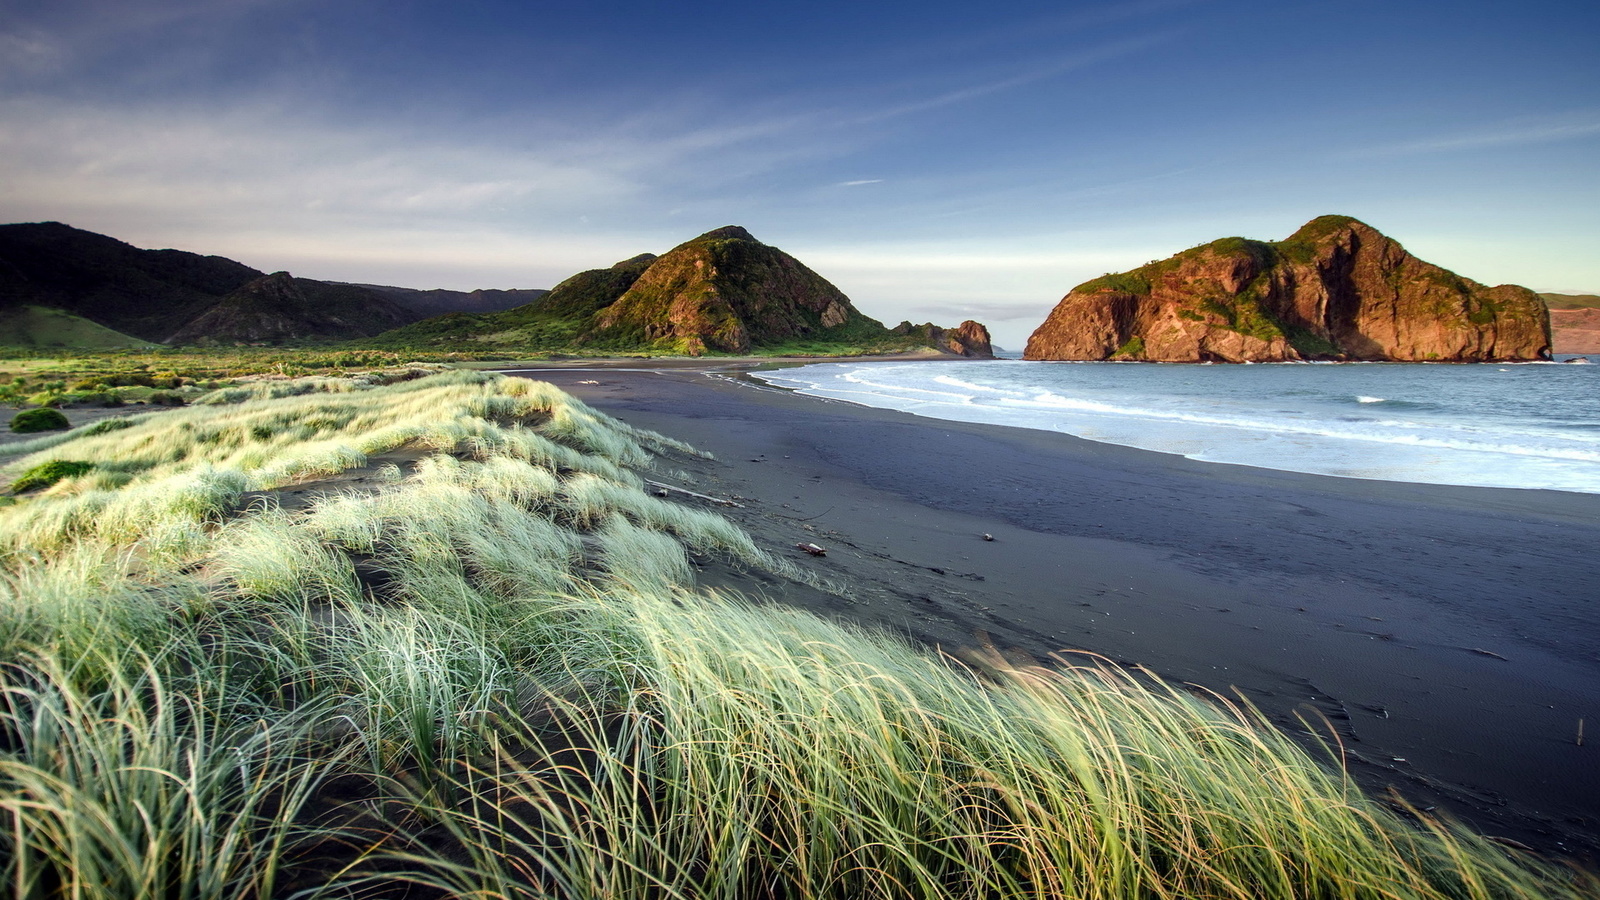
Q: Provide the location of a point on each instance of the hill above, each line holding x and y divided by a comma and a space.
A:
280, 308
149, 294
177, 297
1335, 289
722, 292
26, 325
439, 302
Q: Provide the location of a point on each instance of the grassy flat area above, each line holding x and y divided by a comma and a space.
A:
401, 634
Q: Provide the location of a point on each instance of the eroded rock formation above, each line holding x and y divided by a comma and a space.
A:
1335, 289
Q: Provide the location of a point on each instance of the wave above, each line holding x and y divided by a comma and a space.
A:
1460, 429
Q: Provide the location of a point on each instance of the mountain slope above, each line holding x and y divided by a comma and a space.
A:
439, 301
26, 325
177, 297
726, 291
148, 294
722, 292
1335, 289
553, 321
279, 307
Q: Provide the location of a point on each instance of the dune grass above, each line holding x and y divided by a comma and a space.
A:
487, 672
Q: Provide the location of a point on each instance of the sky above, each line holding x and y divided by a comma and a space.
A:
938, 161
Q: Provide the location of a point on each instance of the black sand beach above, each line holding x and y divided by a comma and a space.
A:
1451, 636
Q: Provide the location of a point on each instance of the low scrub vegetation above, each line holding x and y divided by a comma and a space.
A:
340, 637
33, 421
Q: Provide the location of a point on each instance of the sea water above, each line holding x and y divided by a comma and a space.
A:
1531, 425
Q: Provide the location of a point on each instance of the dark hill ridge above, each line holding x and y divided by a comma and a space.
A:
557, 320
1335, 289
722, 292
145, 293
279, 308
176, 297
439, 301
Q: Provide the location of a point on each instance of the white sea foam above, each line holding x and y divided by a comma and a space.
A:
1529, 427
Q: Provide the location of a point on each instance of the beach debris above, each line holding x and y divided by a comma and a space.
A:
662, 489
811, 548
1508, 842
1580, 732
1482, 652
987, 536
588, 382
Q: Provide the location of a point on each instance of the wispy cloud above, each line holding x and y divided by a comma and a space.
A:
860, 182
1057, 66
1503, 134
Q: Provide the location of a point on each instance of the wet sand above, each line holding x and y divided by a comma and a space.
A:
1450, 636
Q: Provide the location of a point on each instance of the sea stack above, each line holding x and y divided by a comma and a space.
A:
1337, 289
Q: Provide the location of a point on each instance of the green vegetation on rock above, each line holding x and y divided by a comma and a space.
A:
1336, 288
1134, 282
723, 292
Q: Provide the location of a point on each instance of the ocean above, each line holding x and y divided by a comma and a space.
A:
1529, 425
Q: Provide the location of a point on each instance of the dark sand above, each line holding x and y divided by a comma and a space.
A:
1450, 635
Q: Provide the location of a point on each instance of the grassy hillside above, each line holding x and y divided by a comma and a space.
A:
41, 328
336, 637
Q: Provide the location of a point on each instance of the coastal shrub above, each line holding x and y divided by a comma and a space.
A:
46, 474
31, 421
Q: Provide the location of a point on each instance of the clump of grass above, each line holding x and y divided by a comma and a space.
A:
48, 473
32, 421
142, 788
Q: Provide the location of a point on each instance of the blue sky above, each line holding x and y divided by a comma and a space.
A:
938, 160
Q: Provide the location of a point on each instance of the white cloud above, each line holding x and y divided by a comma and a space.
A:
860, 182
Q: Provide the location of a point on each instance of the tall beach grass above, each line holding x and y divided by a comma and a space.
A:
431, 638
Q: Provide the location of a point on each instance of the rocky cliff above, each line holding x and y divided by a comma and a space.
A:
1335, 289
969, 339
726, 291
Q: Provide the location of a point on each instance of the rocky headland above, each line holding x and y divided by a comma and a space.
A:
722, 292
1337, 289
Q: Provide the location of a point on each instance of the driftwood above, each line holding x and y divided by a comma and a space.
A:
812, 549
707, 497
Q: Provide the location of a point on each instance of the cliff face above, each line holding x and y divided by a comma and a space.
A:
1335, 289
726, 291
970, 339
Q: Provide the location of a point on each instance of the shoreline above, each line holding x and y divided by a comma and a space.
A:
1445, 633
